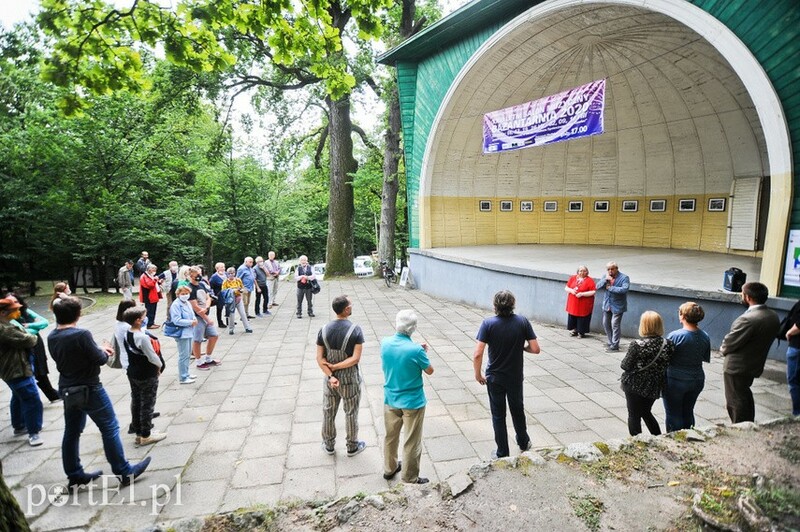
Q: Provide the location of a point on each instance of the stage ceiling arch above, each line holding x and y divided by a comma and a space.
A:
690, 114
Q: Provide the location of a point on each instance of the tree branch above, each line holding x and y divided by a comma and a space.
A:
364, 137
321, 146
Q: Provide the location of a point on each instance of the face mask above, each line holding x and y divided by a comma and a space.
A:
184, 297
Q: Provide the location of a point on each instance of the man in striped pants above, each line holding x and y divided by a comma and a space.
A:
339, 346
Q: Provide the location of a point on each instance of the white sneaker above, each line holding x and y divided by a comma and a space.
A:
188, 380
35, 440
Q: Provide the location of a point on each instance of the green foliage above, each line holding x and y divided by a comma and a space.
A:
781, 504
588, 509
97, 45
152, 171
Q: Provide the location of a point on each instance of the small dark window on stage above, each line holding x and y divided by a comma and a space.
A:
575, 206
686, 205
600, 206
506, 206
526, 206
630, 206
485, 205
658, 205
550, 206
716, 205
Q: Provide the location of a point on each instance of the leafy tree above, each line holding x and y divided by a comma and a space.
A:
96, 48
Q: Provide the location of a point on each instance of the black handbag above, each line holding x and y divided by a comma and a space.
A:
75, 396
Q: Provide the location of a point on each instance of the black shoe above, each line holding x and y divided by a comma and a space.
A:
421, 480
82, 480
136, 471
390, 476
299, 316
156, 414
573, 333
310, 314
251, 317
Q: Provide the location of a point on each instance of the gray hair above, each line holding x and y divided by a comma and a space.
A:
406, 322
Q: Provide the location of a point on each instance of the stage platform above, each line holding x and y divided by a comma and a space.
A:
661, 279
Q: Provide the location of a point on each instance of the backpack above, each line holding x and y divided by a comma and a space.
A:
132, 349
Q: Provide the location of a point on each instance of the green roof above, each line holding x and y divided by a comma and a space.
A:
459, 24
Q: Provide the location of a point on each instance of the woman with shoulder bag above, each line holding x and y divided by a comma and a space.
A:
645, 373
182, 316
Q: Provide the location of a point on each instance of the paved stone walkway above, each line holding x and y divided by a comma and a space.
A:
248, 432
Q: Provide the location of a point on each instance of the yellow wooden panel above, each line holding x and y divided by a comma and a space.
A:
576, 224
602, 224
629, 226
714, 235
657, 225
457, 221
551, 224
686, 226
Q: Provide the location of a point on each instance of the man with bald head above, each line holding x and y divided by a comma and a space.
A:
615, 303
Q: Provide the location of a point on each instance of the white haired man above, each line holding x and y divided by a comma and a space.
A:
404, 400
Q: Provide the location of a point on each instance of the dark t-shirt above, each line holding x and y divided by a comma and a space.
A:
337, 330
794, 318
77, 356
506, 337
199, 293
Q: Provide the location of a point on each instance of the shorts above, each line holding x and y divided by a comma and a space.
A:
204, 330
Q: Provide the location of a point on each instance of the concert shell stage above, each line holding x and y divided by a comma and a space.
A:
661, 279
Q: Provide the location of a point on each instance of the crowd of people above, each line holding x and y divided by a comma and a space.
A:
657, 365
671, 367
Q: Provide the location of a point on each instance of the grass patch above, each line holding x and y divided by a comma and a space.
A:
588, 509
618, 465
780, 504
789, 449
721, 505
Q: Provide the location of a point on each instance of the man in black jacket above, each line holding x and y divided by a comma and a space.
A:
79, 359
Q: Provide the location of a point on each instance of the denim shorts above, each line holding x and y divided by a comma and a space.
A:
204, 330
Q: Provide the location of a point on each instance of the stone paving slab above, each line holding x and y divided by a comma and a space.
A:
248, 432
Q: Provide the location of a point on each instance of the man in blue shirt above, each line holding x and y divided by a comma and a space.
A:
615, 303
248, 277
507, 336
404, 401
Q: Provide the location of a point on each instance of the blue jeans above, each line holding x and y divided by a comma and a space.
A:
793, 377
26, 406
680, 396
184, 352
100, 409
498, 394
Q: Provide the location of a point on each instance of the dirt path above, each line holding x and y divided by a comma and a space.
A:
643, 485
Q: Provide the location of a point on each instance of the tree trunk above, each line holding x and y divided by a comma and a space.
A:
391, 158
339, 252
392, 153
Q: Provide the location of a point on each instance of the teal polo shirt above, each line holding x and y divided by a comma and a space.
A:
403, 363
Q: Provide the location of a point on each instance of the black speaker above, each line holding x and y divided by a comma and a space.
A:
733, 280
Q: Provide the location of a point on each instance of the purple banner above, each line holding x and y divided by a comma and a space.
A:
567, 115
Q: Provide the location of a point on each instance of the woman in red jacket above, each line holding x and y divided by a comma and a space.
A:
580, 302
150, 293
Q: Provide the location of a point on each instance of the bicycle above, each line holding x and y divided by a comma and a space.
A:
388, 274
